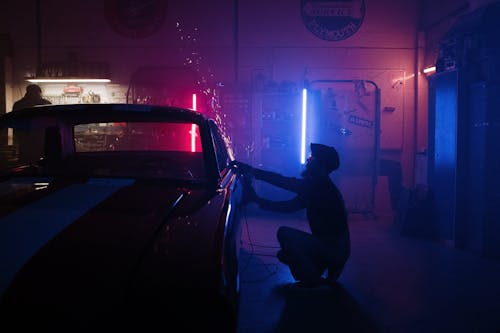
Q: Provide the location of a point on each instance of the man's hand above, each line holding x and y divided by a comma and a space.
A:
241, 168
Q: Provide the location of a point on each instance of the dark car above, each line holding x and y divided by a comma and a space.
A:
126, 217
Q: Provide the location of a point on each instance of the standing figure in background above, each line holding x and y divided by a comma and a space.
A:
29, 143
327, 247
32, 97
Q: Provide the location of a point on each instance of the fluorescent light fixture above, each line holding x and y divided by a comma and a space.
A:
193, 128
429, 70
303, 134
68, 80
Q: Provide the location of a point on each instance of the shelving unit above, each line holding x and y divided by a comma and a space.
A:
278, 132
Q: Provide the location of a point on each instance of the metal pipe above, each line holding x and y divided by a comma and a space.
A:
416, 90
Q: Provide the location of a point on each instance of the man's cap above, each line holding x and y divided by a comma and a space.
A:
326, 155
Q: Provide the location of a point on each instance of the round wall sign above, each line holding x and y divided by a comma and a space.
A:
135, 19
333, 20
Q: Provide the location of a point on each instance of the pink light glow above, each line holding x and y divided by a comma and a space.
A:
194, 102
193, 128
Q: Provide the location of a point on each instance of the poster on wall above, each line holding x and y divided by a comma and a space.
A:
135, 19
333, 20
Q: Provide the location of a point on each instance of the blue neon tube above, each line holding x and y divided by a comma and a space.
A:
303, 134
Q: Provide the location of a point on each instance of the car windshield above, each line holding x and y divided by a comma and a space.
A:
138, 149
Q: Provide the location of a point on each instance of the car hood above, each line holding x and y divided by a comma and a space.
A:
72, 242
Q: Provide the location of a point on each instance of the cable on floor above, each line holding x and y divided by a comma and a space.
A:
253, 253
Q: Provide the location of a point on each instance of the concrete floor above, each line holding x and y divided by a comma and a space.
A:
390, 284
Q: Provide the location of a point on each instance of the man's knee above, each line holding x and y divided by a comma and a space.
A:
282, 257
334, 270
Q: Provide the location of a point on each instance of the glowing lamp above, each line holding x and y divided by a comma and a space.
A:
69, 80
429, 70
303, 131
193, 128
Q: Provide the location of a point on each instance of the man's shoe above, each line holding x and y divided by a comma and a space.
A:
333, 274
323, 284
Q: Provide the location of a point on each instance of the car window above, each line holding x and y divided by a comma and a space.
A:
138, 149
137, 136
221, 148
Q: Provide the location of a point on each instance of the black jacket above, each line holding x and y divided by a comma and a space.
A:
29, 101
324, 204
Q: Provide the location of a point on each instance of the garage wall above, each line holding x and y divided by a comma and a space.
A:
266, 37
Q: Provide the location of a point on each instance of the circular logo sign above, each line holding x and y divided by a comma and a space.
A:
135, 19
333, 20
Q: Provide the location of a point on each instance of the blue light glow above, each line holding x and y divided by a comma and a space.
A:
303, 134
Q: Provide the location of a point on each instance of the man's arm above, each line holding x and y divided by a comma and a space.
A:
288, 183
295, 204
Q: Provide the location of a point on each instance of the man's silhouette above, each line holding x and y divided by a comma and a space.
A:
29, 143
32, 97
327, 248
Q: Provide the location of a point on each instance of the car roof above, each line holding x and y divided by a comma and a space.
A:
110, 112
